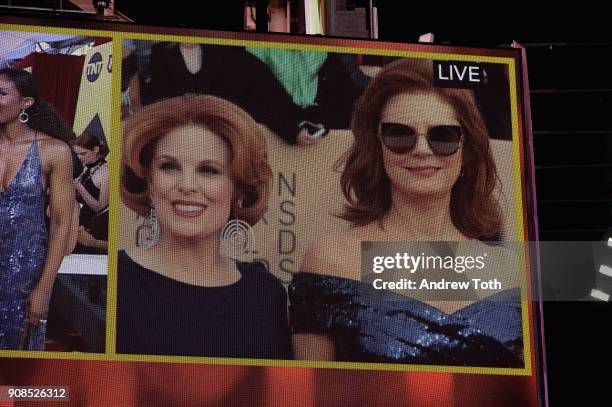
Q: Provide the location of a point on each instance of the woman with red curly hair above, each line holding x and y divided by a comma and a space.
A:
196, 168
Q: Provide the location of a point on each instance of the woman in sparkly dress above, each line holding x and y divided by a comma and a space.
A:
35, 168
420, 169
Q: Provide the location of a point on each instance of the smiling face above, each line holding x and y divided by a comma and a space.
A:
11, 101
190, 183
419, 171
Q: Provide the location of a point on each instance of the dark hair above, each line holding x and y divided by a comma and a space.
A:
91, 141
43, 117
474, 208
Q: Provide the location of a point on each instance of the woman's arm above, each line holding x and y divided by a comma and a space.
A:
74, 229
96, 204
86, 239
320, 258
307, 346
60, 210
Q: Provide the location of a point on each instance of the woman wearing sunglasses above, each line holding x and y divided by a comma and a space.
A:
420, 169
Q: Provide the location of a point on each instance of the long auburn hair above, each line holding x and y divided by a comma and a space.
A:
473, 207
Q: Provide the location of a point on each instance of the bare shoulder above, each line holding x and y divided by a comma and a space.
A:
53, 149
369, 232
337, 255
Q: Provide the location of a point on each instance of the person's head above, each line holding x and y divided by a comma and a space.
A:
417, 141
19, 93
89, 149
198, 161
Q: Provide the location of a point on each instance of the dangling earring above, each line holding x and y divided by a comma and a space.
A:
147, 234
24, 116
236, 241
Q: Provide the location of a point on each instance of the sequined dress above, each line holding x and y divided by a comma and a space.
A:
23, 246
393, 328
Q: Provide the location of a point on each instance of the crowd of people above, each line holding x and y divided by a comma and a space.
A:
296, 86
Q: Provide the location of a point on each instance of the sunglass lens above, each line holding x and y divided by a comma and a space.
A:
398, 138
445, 140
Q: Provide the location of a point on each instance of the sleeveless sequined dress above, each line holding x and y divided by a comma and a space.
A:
23, 247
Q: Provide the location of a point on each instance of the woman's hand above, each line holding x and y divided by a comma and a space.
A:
78, 186
304, 138
38, 305
85, 238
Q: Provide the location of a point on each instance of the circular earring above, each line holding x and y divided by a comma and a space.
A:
24, 116
236, 241
147, 234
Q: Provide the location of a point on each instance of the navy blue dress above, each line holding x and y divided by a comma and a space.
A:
157, 315
23, 249
396, 329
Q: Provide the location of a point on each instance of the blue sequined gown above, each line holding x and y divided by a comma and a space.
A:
398, 329
23, 247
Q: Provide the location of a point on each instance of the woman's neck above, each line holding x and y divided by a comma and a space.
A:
14, 131
421, 218
94, 163
193, 261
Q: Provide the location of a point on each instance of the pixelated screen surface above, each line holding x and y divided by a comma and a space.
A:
218, 212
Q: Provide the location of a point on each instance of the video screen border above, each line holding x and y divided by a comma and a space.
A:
521, 189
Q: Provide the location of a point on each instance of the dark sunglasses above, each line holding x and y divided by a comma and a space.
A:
400, 138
